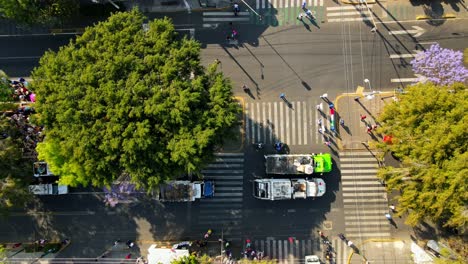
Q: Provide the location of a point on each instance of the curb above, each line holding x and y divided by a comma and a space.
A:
426, 17
335, 102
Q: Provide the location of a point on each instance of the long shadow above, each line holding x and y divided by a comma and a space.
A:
242, 68
281, 57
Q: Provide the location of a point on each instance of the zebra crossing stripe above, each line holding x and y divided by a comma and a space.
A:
353, 154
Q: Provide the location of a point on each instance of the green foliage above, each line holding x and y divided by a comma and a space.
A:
465, 56
428, 125
187, 260
5, 88
119, 99
30, 12
13, 169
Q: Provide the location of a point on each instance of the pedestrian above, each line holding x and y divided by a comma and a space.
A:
356, 98
116, 242
319, 107
388, 216
392, 208
341, 122
300, 16
374, 127
319, 121
129, 255
234, 34
282, 96
321, 234
304, 5
320, 130
245, 88
130, 244
363, 117
324, 96
309, 14
350, 243
327, 143
291, 239
217, 61
369, 129
236, 9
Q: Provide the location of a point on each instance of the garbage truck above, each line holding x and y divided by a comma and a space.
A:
294, 164
184, 191
287, 189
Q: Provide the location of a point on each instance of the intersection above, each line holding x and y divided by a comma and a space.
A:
273, 55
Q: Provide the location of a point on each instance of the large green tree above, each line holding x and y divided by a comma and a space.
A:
430, 134
123, 99
32, 12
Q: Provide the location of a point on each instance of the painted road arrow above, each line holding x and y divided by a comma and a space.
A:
417, 31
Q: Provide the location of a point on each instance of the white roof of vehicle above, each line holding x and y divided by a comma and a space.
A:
165, 255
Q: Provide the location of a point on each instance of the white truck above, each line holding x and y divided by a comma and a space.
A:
48, 189
297, 164
184, 191
286, 189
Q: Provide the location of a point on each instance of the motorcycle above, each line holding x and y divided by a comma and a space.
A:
208, 234
278, 146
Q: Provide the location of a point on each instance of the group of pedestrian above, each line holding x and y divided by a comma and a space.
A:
369, 127
19, 90
307, 12
30, 134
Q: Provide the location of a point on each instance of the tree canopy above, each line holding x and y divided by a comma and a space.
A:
32, 12
430, 135
440, 66
120, 99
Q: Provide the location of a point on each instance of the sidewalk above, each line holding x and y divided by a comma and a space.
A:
353, 135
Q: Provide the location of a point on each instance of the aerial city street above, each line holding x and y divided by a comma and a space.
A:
282, 131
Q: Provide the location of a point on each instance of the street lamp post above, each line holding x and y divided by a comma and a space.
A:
372, 92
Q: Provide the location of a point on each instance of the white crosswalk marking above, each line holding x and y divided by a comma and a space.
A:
364, 198
225, 208
275, 121
348, 13
268, 4
291, 253
225, 17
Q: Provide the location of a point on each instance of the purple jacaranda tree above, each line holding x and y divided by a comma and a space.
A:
440, 66
122, 192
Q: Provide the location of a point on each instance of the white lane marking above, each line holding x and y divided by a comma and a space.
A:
398, 80
334, 8
231, 14
299, 123
226, 19
293, 121
348, 19
400, 56
351, 13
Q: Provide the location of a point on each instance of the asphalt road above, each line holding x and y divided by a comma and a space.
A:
301, 61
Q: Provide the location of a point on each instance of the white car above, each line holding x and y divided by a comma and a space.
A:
312, 259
